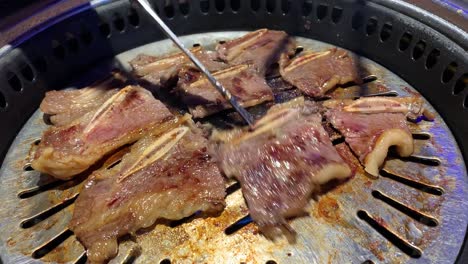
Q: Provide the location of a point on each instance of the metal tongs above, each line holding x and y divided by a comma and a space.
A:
226, 94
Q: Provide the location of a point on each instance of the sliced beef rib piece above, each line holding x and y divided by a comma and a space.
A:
280, 163
68, 150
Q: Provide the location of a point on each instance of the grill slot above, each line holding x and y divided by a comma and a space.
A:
435, 190
418, 216
428, 161
232, 232
399, 242
33, 220
53, 243
81, 259
239, 224
232, 188
421, 136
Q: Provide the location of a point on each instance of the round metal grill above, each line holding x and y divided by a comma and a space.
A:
413, 213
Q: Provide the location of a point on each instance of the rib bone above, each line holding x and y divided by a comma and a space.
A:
155, 151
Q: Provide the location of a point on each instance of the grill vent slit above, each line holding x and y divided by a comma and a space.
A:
449, 72
235, 5
58, 50
405, 41
238, 225
81, 259
165, 261
369, 79
14, 82
232, 188
133, 17
322, 12
307, 7
336, 14
386, 31
52, 244
3, 102
27, 167
285, 6
418, 216
39, 189
432, 58
421, 136
418, 50
184, 8
357, 21
28, 73
428, 161
204, 6
338, 141
119, 23
399, 242
461, 84
219, 5
372, 25
34, 220
270, 6
130, 259
435, 190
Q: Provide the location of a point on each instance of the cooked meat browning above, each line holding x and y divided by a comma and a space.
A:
160, 70
203, 99
68, 150
165, 175
261, 48
317, 72
371, 131
67, 105
281, 162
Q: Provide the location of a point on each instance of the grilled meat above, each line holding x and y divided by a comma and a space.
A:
261, 48
281, 162
68, 150
317, 72
411, 107
161, 70
167, 174
67, 105
203, 99
372, 125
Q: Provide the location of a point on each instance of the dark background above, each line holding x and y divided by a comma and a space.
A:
18, 16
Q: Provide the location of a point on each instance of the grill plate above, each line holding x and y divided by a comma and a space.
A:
334, 232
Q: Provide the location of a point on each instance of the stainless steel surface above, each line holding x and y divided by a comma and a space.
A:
223, 91
332, 233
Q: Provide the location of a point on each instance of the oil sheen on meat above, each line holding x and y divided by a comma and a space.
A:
165, 175
66, 151
203, 99
280, 163
372, 125
64, 106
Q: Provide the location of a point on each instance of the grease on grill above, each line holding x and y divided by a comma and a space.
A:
399, 242
199, 237
436, 190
